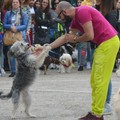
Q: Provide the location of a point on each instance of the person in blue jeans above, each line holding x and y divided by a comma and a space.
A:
107, 107
15, 20
82, 50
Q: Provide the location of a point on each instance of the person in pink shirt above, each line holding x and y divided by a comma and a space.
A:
93, 26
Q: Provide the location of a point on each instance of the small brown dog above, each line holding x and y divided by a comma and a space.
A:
47, 62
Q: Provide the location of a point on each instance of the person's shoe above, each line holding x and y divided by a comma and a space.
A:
90, 116
107, 109
88, 66
3, 73
80, 68
12, 75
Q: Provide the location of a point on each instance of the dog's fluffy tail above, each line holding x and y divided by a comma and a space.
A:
7, 96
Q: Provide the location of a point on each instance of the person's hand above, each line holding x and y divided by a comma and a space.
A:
13, 29
70, 38
47, 47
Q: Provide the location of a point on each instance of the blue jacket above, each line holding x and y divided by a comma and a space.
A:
7, 21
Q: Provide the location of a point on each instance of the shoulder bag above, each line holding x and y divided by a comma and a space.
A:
11, 37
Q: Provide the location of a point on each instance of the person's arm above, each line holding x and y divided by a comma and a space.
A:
73, 38
86, 36
58, 42
6, 23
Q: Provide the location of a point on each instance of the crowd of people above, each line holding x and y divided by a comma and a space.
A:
57, 22
41, 25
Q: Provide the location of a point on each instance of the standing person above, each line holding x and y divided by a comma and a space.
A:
108, 9
37, 5
15, 20
32, 13
2, 13
82, 50
42, 23
25, 8
89, 21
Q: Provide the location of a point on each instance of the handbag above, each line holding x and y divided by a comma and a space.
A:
11, 37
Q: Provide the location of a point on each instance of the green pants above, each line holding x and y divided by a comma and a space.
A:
103, 63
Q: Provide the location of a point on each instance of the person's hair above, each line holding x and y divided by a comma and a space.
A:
1, 4
64, 5
20, 7
47, 8
36, 2
107, 6
53, 4
25, 2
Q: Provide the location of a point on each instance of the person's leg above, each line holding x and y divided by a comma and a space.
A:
1, 51
82, 48
89, 56
107, 107
79, 56
2, 71
109, 93
83, 53
104, 58
1, 48
12, 65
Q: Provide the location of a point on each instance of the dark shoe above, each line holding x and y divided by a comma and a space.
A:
80, 68
12, 75
90, 116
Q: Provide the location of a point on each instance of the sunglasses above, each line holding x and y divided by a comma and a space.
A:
60, 13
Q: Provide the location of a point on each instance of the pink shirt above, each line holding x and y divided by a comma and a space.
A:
102, 28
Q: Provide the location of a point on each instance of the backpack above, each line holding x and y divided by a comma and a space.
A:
57, 32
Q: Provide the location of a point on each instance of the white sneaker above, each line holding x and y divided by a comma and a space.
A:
3, 73
88, 66
107, 109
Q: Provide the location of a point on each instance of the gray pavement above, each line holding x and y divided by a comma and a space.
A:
55, 96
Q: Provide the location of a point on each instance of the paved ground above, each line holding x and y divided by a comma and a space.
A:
56, 96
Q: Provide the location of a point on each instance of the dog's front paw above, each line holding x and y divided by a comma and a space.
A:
47, 47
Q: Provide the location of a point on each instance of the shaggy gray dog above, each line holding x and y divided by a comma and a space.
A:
29, 59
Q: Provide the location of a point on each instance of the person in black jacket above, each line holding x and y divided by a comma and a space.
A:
42, 23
